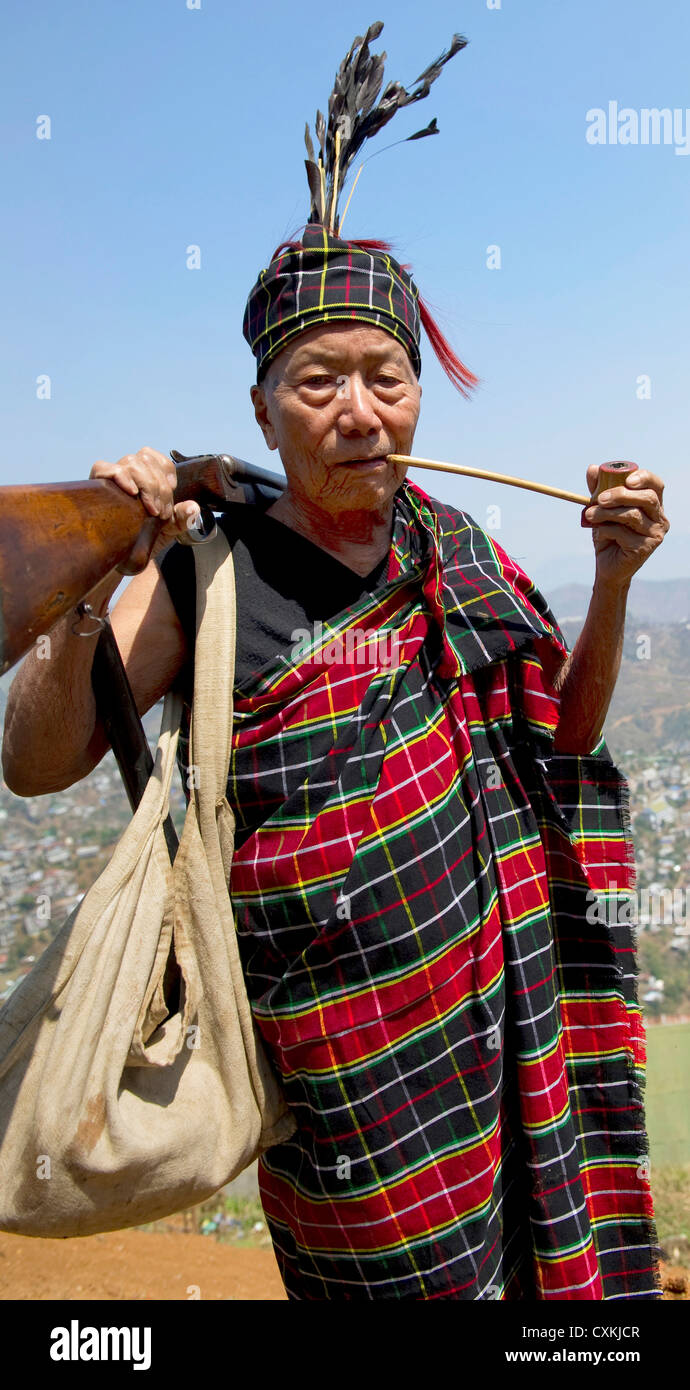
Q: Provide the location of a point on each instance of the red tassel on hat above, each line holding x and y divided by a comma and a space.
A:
458, 373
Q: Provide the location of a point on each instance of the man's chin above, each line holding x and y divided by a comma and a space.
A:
371, 490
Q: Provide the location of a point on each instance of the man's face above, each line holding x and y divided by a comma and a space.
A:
334, 403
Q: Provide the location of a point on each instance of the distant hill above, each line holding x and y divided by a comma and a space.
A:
650, 601
651, 703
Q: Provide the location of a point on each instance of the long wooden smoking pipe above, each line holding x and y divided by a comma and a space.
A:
610, 475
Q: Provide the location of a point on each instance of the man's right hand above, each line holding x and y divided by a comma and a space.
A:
153, 477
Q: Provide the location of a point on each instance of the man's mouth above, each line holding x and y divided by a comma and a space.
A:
376, 460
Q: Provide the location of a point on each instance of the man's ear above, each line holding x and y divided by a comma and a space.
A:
261, 411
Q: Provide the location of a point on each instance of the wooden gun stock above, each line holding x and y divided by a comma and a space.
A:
58, 541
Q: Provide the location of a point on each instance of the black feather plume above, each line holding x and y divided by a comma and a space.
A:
430, 129
354, 115
314, 178
320, 128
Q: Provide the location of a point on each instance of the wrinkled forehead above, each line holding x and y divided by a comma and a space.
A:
342, 347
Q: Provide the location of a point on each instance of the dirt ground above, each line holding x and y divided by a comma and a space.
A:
152, 1265
136, 1265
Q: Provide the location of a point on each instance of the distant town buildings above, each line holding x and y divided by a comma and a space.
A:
54, 847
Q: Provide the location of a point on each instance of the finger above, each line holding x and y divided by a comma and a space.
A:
182, 513
160, 464
152, 483
628, 541
154, 456
103, 469
185, 514
644, 479
163, 474
618, 498
177, 526
592, 475
630, 517
136, 478
151, 459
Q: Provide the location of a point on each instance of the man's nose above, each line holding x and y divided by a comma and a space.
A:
358, 413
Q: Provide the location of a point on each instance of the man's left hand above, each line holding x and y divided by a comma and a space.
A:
628, 523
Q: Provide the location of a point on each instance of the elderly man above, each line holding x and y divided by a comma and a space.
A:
422, 827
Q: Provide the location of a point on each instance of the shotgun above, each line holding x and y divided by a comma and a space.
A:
59, 540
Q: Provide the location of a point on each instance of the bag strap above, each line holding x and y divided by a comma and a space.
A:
210, 738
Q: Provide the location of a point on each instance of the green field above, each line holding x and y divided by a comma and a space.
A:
667, 1106
667, 1094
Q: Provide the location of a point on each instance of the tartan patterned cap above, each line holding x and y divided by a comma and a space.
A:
323, 279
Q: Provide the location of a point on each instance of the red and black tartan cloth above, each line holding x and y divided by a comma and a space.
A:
462, 1049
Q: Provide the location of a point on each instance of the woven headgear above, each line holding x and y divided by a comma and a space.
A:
324, 279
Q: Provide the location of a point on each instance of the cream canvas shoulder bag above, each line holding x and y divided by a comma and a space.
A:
113, 1111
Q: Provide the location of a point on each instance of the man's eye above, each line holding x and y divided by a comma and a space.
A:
387, 380
319, 380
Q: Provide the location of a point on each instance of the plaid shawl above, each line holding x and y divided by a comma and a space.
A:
462, 1048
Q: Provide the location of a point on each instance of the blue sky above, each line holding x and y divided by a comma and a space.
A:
173, 126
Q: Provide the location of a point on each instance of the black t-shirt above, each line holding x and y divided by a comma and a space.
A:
283, 581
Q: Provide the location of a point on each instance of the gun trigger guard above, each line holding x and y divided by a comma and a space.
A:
85, 610
202, 530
